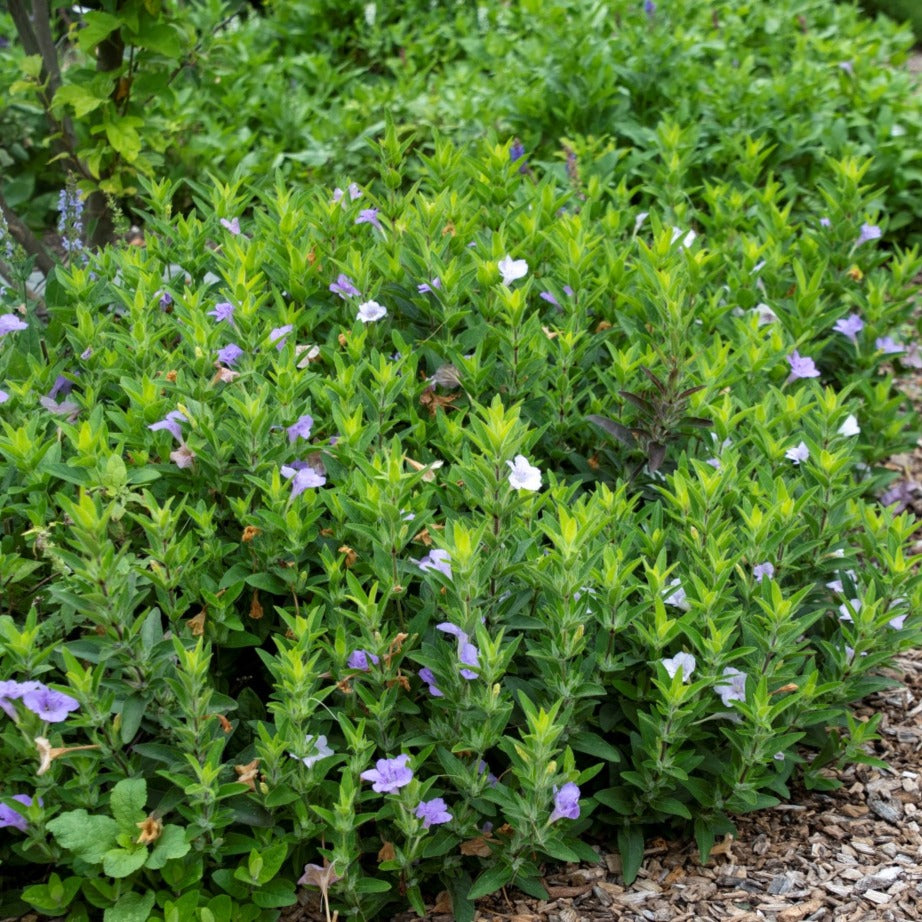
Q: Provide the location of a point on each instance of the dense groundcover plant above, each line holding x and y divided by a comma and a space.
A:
383, 542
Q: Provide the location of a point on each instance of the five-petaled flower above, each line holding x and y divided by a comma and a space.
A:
802, 366
369, 216
566, 803
302, 477
512, 269
888, 345
233, 225
362, 659
10, 323
371, 311
761, 570
850, 426
436, 559
798, 453
277, 336
428, 677
389, 775
317, 749
849, 326
467, 652
170, 423
683, 661
344, 287
868, 232
223, 310
229, 354
432, 812
524, 476
52, 706
732, 687
10, 816
300, 429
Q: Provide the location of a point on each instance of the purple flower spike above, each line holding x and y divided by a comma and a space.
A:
428, 677
433, 812
849, 326
566, 803
171, 424
369, 216
300, 429
50, 705
802, 366
344, 287
389, 775
229, 354
868, 232
222, 311
362, 659
10, 323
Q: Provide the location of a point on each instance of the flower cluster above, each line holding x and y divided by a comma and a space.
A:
50, 705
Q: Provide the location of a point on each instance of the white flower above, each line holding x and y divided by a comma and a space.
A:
371, 311
512, 269
765, 314
687, 241
638, 221
733, 686
850, 426
845, 610
317, 747
678, 599
523, 475
798, 453
683, 661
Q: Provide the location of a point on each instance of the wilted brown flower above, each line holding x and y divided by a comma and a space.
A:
248, 774
249, 533
350, 556
434, 402
197, 624
48, 753
151, 828
387, 852
256, 609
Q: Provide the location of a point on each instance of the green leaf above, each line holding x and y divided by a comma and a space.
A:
267, 582
160, 37
54, 897
122, 862
79, 98
490, 881
124, 138
99, 26
132, 712
630, 847
88, 837
274, 894
132, 907
127, 803
171, 844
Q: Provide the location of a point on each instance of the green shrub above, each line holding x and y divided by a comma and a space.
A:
481, 535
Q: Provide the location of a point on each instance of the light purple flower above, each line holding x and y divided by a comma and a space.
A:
11, 691
825, 222
512, 269
300, 429
344, 287
523, 476
12, 817
10, 323
183, 457
369, 216
732, 687
687, 241
277, 336
897, 622
677, 598
436, 559
4, 396
484, 769
432, 812
761, 570
317, 749
428, 677
467, 652
166, 299
52, 706
516, 153
223, 310
171, 424
549, 297
802, 366
683, 661
389, 775
798, 453
62, 386
302, 477
371, 311
430, 286
888, 345
649, 7
233, 225
362, 659
566, 803
847, 67
229, 354
868, 232
849, 326
354, 193
846, 609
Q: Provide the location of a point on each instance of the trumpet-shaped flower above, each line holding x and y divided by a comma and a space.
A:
317, 749
371, 311
229, 354
683, 661
10, 816
344, 287
512, 269
233, 226
761, 570
850, 426
369, 216
389, 775
171, 424
677, 597
362, 660
802, 366
300, 429
436, 559
798, 453
277, 336
868, 232
224, 310
428, 677
303, 477
524, 476
10, 323
566, 802
432, 812
849, 326
52, 706
732, 687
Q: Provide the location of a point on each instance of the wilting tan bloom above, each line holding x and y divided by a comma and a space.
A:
434, 402
313, 354
248, 774
226, 725
602, 326
171, 376
183, 456
790, 687
446, 376
249, 533
197, 624
855, 274
427, 469
350, 556
549, 333
342, 339
256, 609
224, 375
477, 846
150, 830
448, 229
48, 753
387, 852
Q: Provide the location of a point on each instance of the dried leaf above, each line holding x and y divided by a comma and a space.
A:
434, 402
478, 846
256, 609
151, 828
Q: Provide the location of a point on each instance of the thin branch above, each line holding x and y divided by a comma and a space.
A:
24, 236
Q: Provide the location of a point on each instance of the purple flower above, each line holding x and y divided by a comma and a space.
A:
683, 661
62, 386
802, 366
369, 216
317, 749
516, 151
171, 424
798, 453
224, 310
467, 652
733, 686
344, 287
436, 559
846, 609
428, 677
11, 691
868, 232
432, 812
430, 286
825, 222
566, 803
888, 345
233, 225
362, 659
277, 336
484, 769
900, 495
389, 775
4, 396
371, 311
166, 299
649, 7
301, 429
229, 354
849, 326
761, 570
549, 297
302, 478
10, 323
52, 706
12, 817
847, 67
